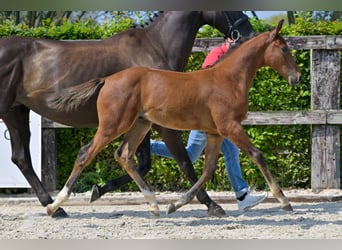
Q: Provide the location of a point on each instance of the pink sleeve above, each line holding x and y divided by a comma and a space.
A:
212, 57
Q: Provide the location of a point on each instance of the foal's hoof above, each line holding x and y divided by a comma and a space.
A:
215, 210
171, 208
154, 211
154, 215
287, 207
59, 213
95, 193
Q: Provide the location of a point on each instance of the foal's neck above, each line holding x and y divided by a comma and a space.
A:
243, 62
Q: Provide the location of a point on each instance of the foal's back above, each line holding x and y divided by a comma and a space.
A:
167, 98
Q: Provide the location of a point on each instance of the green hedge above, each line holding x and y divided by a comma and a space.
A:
286, 148
67, 30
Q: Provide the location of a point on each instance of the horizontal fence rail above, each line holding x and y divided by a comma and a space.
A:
325, 115
297, 42
322, 117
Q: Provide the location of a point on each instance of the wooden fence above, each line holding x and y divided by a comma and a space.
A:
325, 115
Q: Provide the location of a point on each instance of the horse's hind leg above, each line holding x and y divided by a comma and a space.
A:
240, 139
17, 122
125, 153
212, 150
143, 155
173, 141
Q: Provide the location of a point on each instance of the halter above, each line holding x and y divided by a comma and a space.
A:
233, 32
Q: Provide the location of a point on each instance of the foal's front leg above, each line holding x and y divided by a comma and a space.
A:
212, 150
241, 140
173, 141
125, 153
143, 155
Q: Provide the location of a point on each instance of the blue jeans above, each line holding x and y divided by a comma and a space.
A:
196, 144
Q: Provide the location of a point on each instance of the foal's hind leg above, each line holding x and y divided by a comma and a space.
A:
86, 154
240, 139
125, 153
143, 155
173, 141
212, 150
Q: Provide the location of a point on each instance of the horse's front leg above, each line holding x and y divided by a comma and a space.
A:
125, 153
173, 141
241, 140
17, 122
212, 150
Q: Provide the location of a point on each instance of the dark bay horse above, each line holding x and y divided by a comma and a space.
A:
35, 71
214, 100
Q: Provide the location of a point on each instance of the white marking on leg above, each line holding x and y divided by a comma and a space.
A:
62, 196
151, 198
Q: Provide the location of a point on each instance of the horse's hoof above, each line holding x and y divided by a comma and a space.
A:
95, 193
171, 208
287, 207
60, 213
215, 210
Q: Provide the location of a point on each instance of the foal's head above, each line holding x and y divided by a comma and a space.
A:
278, 56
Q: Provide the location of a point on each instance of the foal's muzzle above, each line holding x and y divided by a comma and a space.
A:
294, 78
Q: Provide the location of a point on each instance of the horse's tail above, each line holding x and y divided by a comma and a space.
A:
73, 97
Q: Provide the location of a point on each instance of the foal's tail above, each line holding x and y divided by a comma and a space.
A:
71, 98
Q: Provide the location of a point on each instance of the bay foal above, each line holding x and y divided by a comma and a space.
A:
214, 100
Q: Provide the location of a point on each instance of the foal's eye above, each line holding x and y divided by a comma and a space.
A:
285, 49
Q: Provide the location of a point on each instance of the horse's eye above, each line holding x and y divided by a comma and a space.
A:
285, 49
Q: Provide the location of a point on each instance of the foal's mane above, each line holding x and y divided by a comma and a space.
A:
235, 46
238, 44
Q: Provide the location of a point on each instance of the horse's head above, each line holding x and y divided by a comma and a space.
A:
234, 24
278, 56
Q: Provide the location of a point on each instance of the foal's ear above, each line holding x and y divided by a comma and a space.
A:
280, 24
274, 33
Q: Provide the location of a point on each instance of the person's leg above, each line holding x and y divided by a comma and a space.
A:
159, 148
231, 155
195, 145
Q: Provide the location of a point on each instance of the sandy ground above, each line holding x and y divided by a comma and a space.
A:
126, 216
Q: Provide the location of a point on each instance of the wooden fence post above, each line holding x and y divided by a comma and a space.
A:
325, 95
49, 179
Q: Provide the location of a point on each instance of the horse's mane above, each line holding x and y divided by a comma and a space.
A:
150, 20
